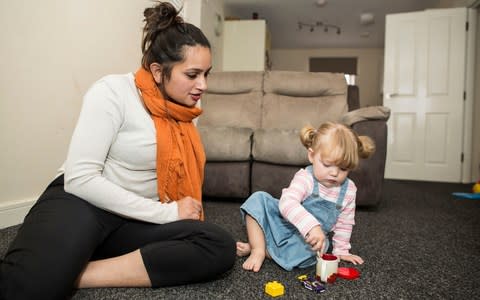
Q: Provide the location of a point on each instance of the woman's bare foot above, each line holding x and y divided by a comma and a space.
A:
254, 261
243, 249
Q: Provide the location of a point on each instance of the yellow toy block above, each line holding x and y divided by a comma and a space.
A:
274, 288
302, 277
476, 187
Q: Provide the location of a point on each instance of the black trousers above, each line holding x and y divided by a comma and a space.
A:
62, 233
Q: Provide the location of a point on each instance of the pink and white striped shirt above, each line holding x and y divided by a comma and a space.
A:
291, 208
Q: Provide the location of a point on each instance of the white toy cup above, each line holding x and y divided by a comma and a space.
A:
327, 265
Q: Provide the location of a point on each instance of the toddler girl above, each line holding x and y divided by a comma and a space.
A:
319, 200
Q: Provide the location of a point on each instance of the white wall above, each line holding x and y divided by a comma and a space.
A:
244, 45
369, 67
208, 15
51, 52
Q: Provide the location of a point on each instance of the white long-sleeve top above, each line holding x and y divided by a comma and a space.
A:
291, 208
111, 161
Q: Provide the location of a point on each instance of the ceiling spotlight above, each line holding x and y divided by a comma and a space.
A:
320, 3
367, 19
365, 34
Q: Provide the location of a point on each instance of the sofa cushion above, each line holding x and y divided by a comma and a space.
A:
227, 179
240, 82
294, 99
287, 112
233, 99
279, 146
305, 84
236, 110
226, 143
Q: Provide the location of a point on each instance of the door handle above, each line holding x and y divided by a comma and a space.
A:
391, 95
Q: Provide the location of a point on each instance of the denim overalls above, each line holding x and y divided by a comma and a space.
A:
284, 243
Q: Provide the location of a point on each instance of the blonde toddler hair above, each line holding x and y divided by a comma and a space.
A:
337, 144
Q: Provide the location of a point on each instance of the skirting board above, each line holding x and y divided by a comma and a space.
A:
12, 213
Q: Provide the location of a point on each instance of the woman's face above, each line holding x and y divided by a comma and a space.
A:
188, 79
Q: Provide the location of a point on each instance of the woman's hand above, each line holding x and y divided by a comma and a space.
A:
189, 208
315, 238
354, 259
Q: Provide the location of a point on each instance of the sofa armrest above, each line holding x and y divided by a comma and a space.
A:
353, 97
369, 175
366, 113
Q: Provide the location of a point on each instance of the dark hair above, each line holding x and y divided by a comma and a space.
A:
165, 36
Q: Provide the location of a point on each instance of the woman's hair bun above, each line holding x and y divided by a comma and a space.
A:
161, 16
165, 36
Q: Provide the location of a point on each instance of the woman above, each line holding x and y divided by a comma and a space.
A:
125, 209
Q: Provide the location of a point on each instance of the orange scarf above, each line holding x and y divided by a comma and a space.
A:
180, 153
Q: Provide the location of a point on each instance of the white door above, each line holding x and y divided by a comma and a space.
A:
424, 81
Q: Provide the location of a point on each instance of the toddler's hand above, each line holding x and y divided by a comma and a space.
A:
315, 238
355, 259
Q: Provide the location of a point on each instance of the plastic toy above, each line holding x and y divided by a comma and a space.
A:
302, 277
476, 187
274, 288
472, 196
348, 273
311, 284
332, 278
327, 266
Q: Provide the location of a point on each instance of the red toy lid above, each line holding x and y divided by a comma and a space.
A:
327, 256
348, 273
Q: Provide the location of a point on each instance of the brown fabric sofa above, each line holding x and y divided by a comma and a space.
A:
250, 129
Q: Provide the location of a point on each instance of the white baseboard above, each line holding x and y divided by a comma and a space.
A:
13, 213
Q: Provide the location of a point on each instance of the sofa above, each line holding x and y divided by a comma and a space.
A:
250, 130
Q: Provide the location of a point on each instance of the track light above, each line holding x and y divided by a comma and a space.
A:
326, 26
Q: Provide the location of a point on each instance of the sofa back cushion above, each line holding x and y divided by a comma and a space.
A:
233, 99
294, 99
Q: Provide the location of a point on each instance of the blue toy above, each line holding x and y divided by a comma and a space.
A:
471, 196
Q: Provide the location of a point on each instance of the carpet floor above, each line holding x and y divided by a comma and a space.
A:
419, 243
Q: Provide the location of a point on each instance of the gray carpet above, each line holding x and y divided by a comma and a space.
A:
420, 243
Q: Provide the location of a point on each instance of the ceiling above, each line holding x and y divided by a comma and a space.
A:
283, 16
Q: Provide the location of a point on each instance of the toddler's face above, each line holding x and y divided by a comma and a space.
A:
326, 172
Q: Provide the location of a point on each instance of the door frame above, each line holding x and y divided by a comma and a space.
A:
468, 171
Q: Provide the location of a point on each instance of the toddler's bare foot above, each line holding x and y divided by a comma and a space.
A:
254, 261
243, 249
